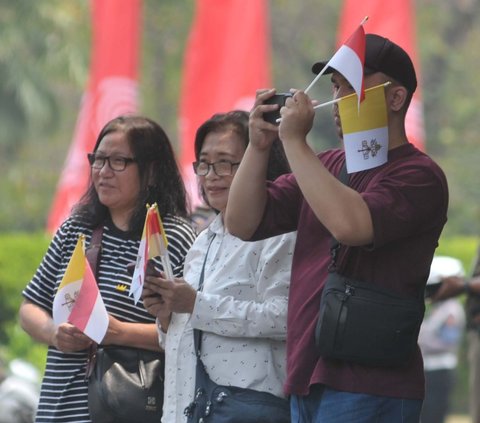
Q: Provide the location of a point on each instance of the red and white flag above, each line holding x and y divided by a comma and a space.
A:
112, 90
153, 244
395, 20
78, 300
89, 313
349, 60
226, 60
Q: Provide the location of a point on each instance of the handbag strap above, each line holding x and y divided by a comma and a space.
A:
92, 254
335, 246
197, 333
94, 249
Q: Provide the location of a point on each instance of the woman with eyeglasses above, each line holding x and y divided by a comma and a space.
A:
132, 164
242, 307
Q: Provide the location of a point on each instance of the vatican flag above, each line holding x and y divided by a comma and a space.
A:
78, 300
365, 129
69, 288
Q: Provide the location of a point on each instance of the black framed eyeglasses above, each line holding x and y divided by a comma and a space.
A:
116, 163
221, 168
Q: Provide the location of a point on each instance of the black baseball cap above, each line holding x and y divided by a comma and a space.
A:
383, 55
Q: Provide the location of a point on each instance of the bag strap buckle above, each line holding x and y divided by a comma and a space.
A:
91, 359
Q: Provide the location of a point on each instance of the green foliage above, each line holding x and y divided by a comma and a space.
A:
20, 345
44, 68
165, 32
20, 255
463, 248
43, 63
32, 47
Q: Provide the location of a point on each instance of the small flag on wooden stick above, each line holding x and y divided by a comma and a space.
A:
348, 60
153, 244
78, 300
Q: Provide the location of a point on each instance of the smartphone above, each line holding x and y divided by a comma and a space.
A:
278, 99
150, 271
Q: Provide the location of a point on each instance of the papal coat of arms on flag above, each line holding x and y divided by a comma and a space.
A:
78, 300
365, 129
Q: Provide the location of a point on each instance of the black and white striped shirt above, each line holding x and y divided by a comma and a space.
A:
64, 394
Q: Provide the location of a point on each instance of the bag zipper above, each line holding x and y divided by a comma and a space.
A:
349, 291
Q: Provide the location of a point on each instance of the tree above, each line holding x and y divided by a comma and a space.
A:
43, 55
44, 64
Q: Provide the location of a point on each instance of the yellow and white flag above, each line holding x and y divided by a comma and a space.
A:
69, 288
365, 129
78, 300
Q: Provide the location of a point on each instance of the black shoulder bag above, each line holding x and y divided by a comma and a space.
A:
365, 324
230, 404
125, 384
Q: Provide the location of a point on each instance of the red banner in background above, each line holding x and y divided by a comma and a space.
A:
227, 59
395, 20
112, 90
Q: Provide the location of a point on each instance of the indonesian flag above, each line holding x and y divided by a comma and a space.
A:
394, 19
112, 91
153, 244
365, 129
227, 59
78, 300
349, 60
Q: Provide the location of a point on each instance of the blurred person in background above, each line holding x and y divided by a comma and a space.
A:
202, 216
457, 285
19, 391
439, 339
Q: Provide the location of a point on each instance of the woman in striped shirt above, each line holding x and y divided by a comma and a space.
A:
132, 164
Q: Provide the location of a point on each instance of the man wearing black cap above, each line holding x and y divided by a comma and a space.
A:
387, 220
